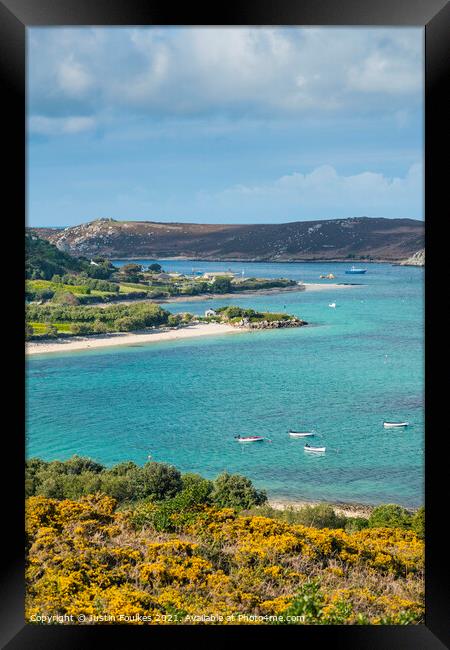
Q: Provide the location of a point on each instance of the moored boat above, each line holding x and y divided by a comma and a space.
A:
392, 425
249, 438
300, 434
314, 449
355, 271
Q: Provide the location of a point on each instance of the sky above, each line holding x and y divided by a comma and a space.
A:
223, 125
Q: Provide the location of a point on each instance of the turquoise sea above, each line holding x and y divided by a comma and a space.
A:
182, 402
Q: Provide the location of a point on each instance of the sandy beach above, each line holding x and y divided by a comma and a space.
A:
131, 338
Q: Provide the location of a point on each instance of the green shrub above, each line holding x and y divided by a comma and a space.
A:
221, 285
235, 491
158, 481
174, 320
80, 464
50, 331
196, 489
356, 523
390, 516
307, 603
321, 515
418, 522
29, 331
81, 329
99, 327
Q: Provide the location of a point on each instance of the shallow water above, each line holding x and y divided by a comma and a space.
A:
182, 402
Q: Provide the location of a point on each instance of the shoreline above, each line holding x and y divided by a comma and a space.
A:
78, 343
237, 260
345, 509
202, 297
311, 286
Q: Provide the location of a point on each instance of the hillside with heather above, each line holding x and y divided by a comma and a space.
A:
335, 239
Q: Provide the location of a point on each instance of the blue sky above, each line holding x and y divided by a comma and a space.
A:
224, 125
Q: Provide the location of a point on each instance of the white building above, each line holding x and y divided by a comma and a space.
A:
210, 312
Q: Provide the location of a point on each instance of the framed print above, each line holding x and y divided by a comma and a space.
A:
226, 216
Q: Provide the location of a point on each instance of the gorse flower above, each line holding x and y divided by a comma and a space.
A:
86, 557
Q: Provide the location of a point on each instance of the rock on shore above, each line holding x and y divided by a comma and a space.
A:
270, 324
418, 259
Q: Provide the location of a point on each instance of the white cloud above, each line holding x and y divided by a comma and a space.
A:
293, 72
42, 125
323, 190
73, 78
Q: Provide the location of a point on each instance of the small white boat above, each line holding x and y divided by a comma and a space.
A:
393, 425
314, 449
249, 438
300, 434
355, 271
332, 305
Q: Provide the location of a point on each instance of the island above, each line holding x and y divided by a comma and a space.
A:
56, 276
56, 328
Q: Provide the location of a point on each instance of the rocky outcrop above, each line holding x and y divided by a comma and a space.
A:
418, 259
333, 239
270, 324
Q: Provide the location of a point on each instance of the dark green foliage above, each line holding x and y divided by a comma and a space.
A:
28, 331
418, 522
96, 320
79, 464
44, 260
221, 285
254, 284
196, 489
174, 320
178, 510
82, 329
90, 283
155, 268
102, 270
233, 314
307, 603
154, 482
356, 523
235, 491
159, 481
51, 332
390, 516
132, 272
236, 312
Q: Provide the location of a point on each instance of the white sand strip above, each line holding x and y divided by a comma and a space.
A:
131, 338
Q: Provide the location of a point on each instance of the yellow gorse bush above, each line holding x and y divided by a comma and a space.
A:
86, 558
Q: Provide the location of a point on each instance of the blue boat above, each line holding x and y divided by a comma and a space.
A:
355, 271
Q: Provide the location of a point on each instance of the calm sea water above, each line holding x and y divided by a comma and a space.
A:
182, 402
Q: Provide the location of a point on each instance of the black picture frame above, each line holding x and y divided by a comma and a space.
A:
434, 16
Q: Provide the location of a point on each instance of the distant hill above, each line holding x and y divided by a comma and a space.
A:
334, 239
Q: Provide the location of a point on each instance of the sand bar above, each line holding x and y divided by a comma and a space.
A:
130, 338
315, 286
